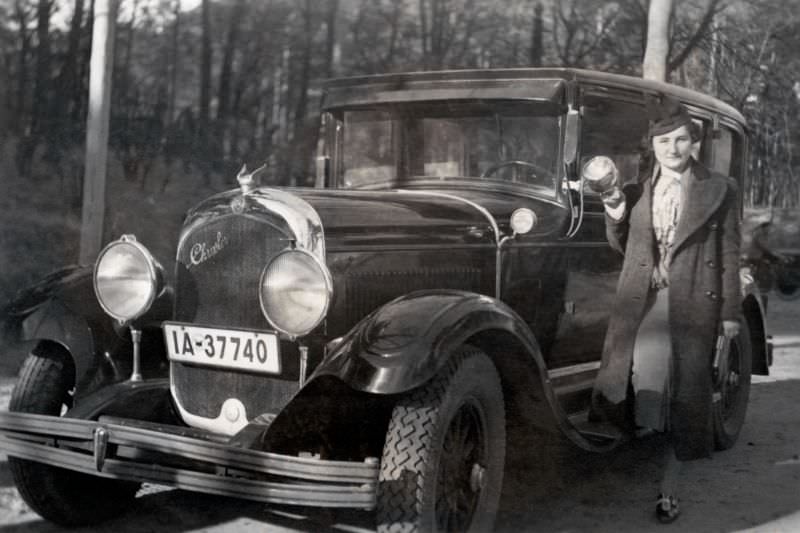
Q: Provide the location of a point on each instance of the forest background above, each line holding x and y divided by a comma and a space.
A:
202, 86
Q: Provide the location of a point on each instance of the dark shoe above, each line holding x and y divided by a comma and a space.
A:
667, 510
603, 411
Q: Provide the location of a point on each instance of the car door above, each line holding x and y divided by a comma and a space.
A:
613, 124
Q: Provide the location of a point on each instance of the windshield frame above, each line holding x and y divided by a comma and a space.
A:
402, 178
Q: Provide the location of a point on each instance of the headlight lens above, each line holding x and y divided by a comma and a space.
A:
126, 279
295, 291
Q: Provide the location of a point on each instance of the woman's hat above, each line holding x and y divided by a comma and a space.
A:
666, 114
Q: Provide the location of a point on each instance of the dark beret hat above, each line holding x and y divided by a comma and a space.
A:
666, 114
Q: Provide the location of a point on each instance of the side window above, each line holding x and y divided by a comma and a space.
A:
726, 147
614, 127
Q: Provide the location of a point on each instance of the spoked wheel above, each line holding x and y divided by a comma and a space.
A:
56, 494
442, 465
732, 391
461, 475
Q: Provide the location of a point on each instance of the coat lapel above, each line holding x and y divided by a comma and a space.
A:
705, 193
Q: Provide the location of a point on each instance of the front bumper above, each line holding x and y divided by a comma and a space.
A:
144, 452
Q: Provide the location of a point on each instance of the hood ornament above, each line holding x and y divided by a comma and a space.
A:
250, 180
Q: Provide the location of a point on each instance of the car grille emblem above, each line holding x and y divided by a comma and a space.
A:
238, 205
203, 251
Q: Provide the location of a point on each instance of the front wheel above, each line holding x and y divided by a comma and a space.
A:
62, 496
442, 465
732, 390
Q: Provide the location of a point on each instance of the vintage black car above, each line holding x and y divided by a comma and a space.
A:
367, 342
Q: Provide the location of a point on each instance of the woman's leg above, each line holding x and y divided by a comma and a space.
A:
667, 505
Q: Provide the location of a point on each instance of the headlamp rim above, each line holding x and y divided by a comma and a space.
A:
326, 276
153, 271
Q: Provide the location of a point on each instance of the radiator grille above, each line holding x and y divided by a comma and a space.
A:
217, 275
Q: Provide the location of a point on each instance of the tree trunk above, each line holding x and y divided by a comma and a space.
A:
226, 75
174, 56
330, 37
205, 90
537, 47
298, 161
41, 93
654, 66
18, 117
68, 97
125, 68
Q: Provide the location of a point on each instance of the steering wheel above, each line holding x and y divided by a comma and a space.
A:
538, 170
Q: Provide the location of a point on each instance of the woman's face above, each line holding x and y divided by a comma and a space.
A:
673, 149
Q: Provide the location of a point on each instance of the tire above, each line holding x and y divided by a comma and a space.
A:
61, 496
732, 392
787, 291
787, 283
443, 459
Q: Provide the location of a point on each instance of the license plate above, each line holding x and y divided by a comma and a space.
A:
255, 351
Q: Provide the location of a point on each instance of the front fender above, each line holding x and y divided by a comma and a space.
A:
405, 343
62, 308
44, 311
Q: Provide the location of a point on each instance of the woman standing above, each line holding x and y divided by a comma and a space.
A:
678, 228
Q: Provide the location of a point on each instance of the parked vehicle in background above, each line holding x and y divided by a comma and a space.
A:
365, 343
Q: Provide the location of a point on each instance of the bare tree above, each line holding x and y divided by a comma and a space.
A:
375, 31
204, 121
41, 90
537, 36
579, 30
226, 75
330, 37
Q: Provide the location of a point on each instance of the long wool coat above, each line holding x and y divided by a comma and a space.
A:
703, 290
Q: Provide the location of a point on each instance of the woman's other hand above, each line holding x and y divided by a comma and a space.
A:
731, 328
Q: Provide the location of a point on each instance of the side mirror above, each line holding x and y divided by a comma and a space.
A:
323, 176
571, 136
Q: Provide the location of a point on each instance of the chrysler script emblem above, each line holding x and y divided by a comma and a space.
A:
203, 251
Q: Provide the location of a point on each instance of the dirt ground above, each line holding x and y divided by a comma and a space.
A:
754, 487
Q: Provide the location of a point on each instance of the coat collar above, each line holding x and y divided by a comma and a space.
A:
704, 193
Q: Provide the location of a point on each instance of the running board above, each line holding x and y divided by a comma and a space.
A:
595, 430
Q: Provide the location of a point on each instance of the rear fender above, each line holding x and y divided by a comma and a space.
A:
754, 319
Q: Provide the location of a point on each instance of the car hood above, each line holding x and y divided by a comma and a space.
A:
399, 217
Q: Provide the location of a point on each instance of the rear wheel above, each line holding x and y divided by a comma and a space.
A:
61, 496
442, 465
732, 391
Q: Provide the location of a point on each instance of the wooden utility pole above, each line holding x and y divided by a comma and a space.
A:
94, 178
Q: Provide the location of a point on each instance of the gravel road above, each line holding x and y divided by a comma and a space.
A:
753, 487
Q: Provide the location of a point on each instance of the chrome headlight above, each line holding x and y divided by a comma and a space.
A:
127, 279
295, 290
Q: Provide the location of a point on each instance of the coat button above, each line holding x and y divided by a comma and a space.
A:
711, 264
711, 295
713, 225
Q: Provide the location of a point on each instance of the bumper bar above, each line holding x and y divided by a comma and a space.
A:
112, 450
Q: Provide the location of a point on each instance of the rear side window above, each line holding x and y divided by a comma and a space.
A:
728, 146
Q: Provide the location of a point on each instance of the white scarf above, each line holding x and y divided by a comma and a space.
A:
667, 203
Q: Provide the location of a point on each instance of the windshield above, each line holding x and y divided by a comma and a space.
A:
394, 146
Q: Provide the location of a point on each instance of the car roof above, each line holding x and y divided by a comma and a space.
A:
490, 83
